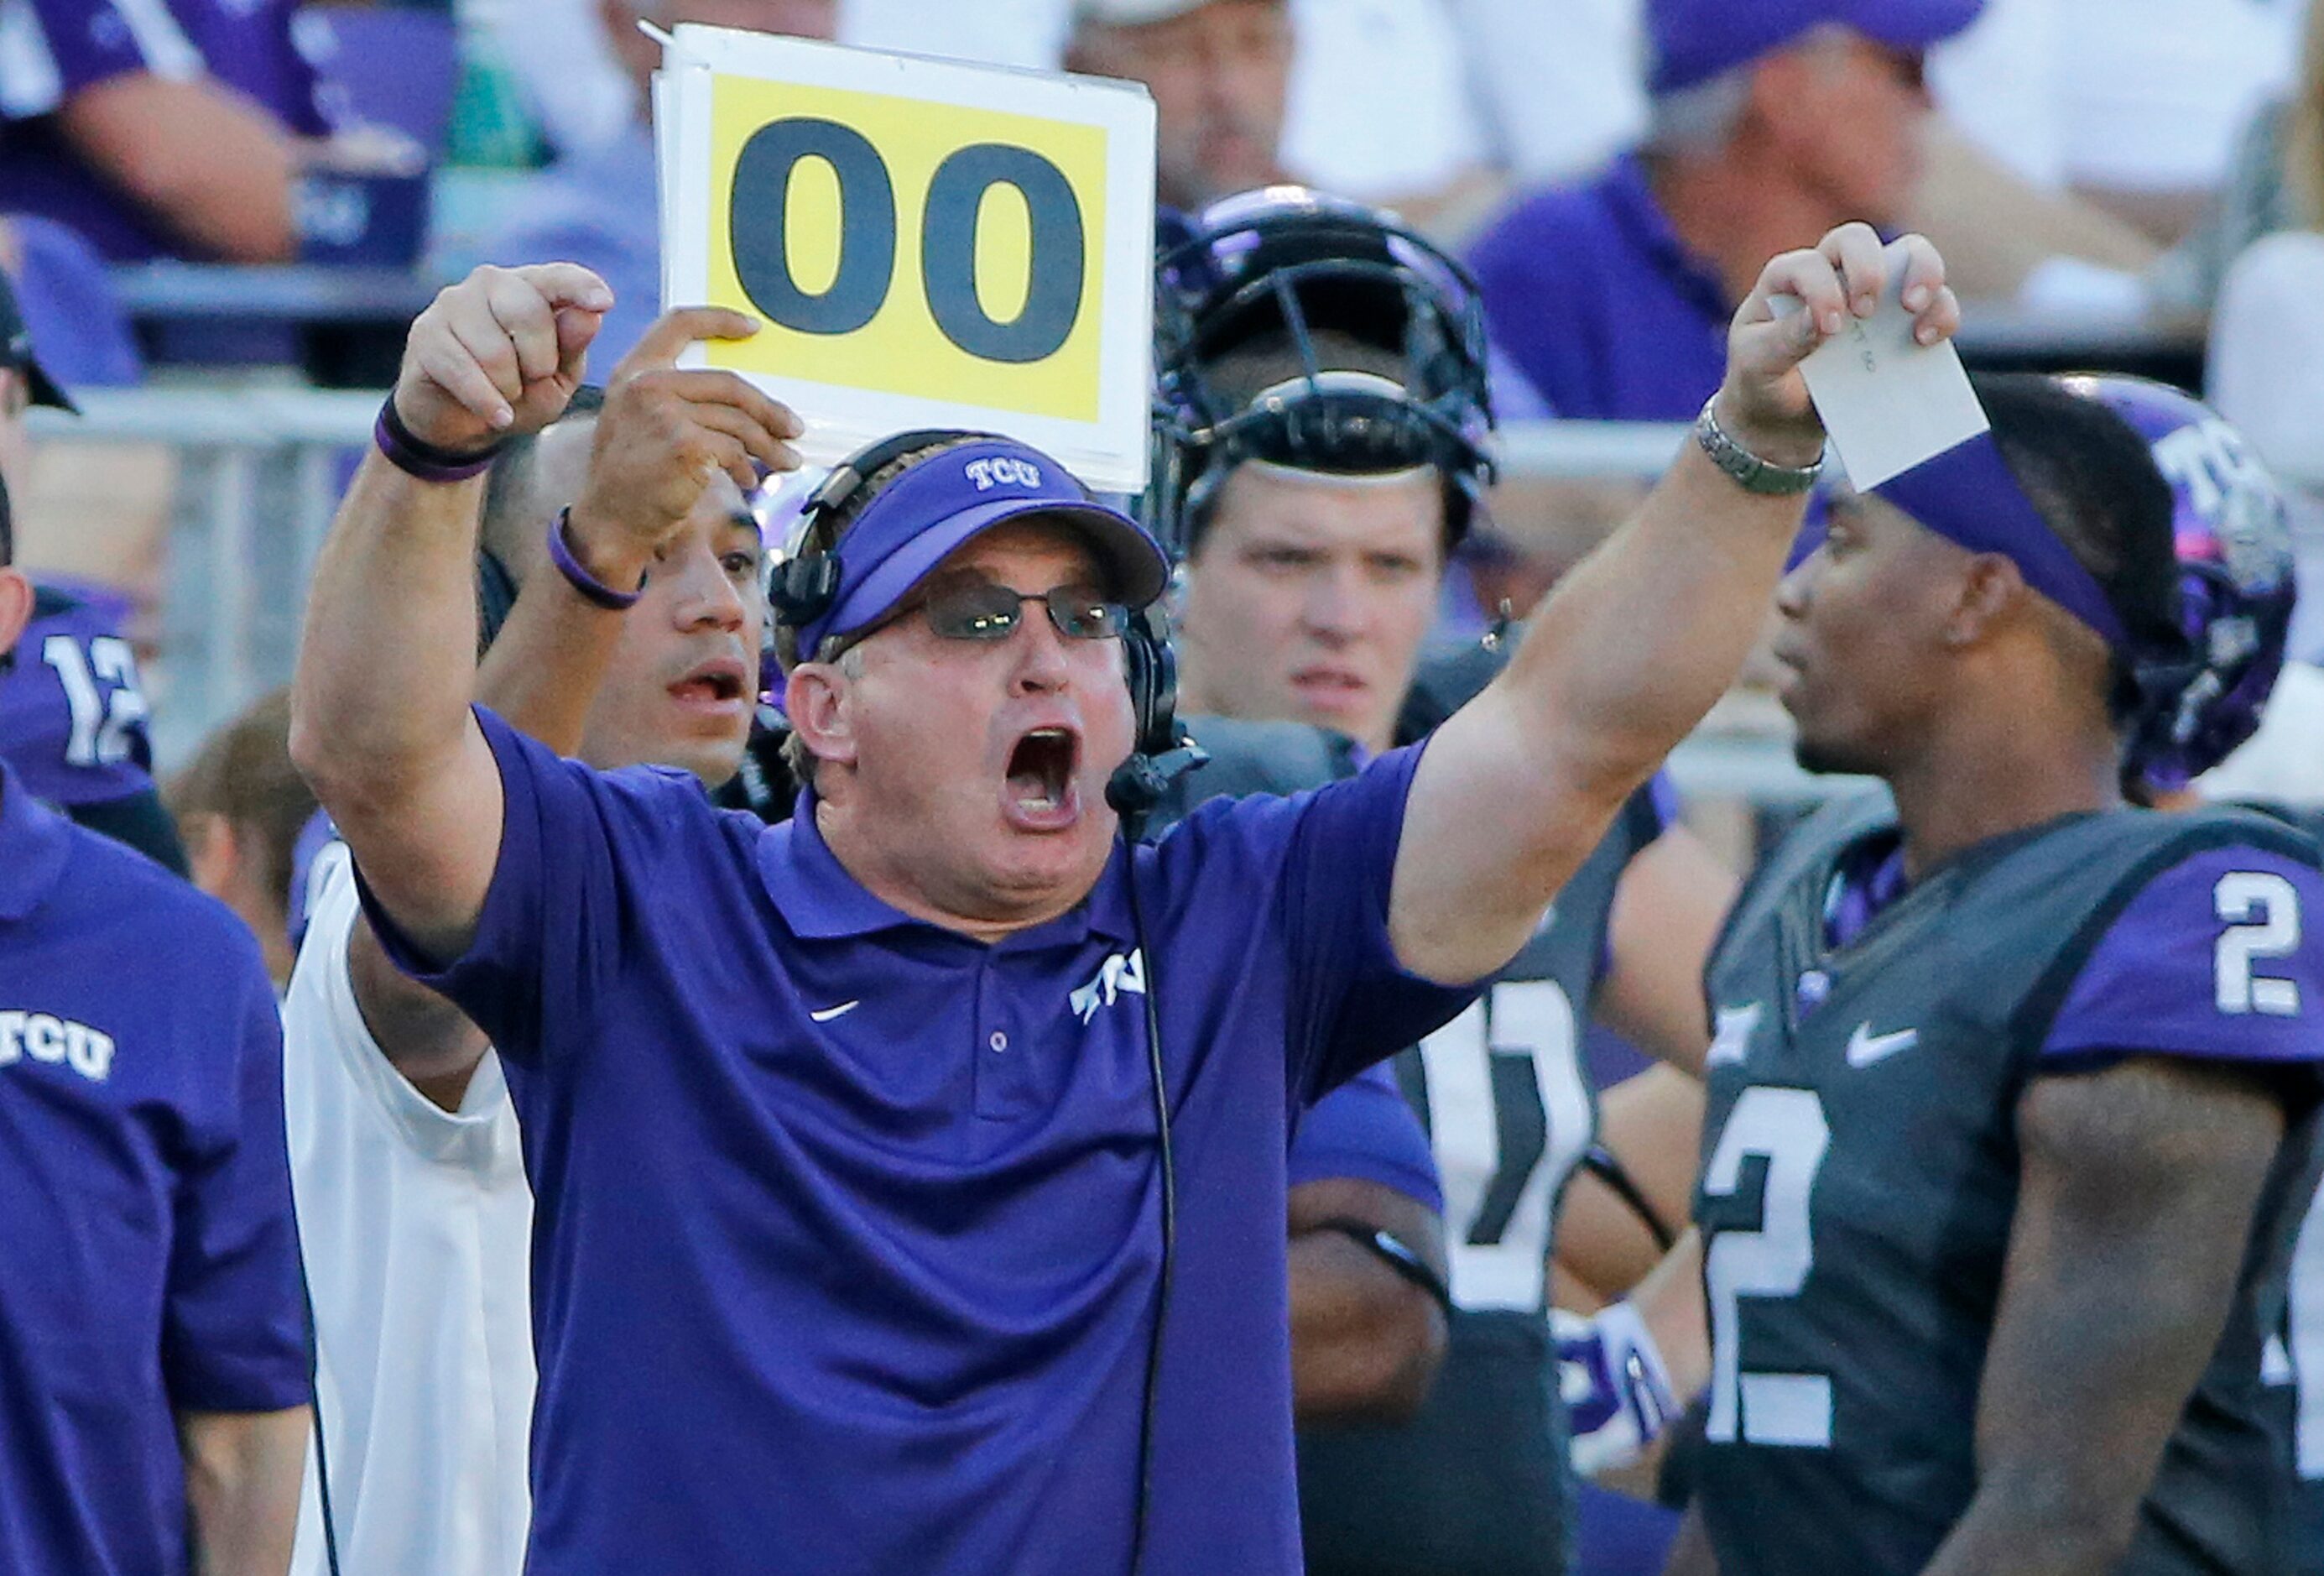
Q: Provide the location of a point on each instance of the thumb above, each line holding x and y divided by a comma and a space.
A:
576, 330
674, 330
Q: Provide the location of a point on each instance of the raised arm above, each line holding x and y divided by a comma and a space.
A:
382, 726
380, 721
541, 676
2139, 1186
1637, 642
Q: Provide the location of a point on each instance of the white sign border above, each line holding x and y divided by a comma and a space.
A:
1109, 454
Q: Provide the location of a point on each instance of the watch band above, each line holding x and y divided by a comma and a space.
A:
1747, 470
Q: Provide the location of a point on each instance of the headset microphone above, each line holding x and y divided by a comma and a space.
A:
1162, 752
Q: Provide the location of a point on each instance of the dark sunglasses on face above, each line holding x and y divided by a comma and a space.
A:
975, 608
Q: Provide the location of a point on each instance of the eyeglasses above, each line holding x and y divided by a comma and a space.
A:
975, 608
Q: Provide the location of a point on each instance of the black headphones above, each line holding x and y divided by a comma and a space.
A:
806, 583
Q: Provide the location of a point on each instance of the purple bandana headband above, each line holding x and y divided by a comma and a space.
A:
1967, 495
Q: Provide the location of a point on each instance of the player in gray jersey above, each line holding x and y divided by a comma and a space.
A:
1324, 421
2238, 591
2013, 1090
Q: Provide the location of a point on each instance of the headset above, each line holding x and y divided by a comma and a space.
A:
805, 586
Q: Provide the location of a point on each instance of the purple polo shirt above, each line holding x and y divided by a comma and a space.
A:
72, 716
847, 1234
149, 1264
1609, 314
60, 48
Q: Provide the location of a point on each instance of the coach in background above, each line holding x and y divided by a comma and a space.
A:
851, 1223
152, 1346
2033, 1337
412, 1198
1326, 416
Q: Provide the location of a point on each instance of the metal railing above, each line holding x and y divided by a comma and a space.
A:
261, 477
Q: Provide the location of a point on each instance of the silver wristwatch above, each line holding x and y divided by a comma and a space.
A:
1751, 473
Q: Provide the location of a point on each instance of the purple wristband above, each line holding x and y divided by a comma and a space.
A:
591, 589
417, 457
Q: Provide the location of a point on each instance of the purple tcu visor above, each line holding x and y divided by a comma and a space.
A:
923, 516
1969, 495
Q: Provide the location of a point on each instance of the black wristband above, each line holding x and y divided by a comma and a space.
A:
416, 457
1393, 1252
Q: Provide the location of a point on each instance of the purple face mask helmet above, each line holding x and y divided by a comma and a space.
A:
2236, 588
1285, 263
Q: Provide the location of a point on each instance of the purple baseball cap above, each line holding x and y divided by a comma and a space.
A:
1694, 41
922, 517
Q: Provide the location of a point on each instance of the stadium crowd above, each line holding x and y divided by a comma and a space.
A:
722, 1017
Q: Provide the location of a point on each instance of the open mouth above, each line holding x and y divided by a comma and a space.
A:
1041, 772
714, 683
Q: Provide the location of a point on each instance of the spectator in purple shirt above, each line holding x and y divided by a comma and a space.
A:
860, 1143
158, 127
1772, 122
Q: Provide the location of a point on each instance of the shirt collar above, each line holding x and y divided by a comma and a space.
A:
1631, 202
821, 900
35, 842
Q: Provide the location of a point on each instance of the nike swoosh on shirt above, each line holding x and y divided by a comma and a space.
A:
827, 1014
1864, 1047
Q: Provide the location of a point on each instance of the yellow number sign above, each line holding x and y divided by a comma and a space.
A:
927, 243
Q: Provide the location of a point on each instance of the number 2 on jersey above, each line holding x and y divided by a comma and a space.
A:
1786, 1129
2266, 908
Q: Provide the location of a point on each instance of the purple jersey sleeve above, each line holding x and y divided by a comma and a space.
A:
547, 934
1366, 1129
234, 1331
72, 715
2218, 957
1352, 1002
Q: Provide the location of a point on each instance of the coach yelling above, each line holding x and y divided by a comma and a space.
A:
854, 1219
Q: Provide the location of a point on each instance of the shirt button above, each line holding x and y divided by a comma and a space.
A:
1000, 1041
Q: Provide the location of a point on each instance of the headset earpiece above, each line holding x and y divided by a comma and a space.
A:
806, 584
803, 589
1163, 752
